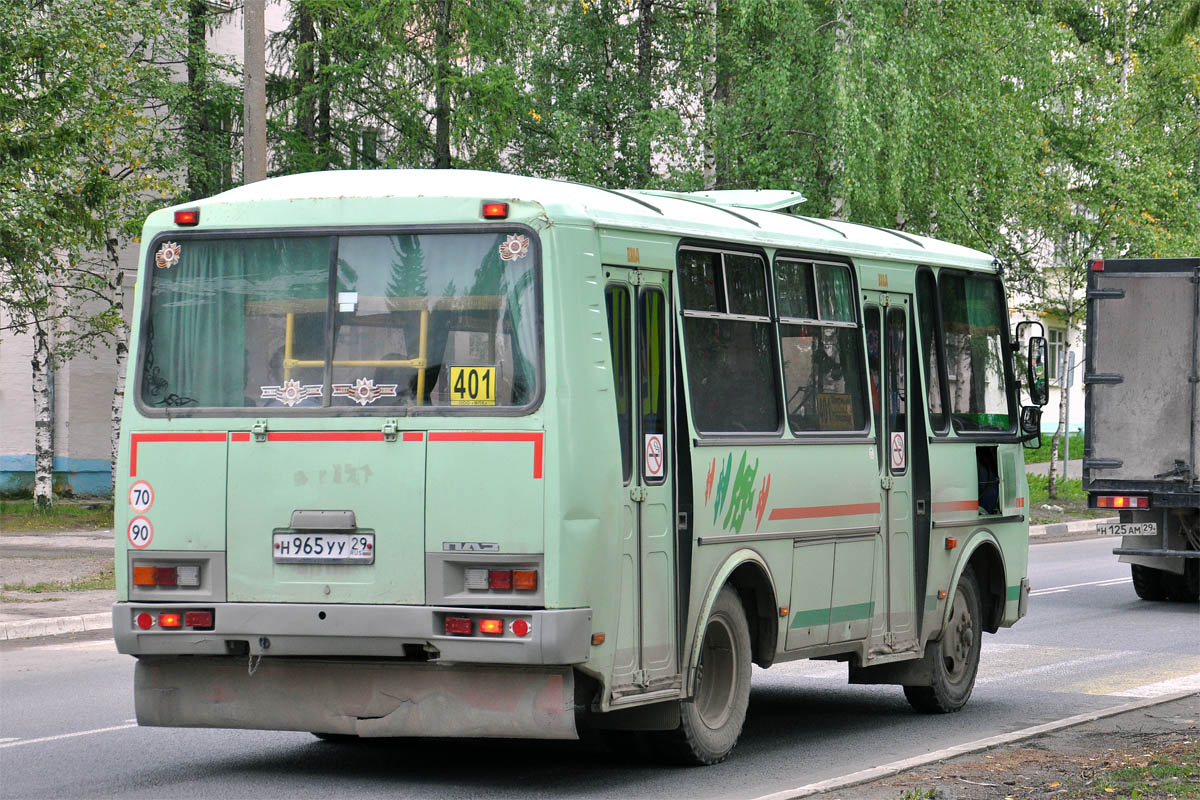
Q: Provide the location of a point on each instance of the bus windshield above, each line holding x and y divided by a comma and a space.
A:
363, 321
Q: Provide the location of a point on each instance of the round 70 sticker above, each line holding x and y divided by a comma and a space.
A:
141, 496
140, 532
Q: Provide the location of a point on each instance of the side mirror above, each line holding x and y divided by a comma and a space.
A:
1039, 384
1031, 427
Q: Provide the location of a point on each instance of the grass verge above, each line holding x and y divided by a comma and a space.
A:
1042, 454
1173, 772
23, 515
1070, 504
105, 579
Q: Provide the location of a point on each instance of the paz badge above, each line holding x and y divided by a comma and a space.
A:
514, 247
167, 255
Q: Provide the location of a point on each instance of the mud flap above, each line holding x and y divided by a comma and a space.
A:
363, 698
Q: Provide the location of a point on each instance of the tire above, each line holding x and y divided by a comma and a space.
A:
1149, 583
711, 721
1184, 588
956, 654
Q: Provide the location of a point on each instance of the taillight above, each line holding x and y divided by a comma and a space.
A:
1122, 501
520, 627
144, 621
198, 619
524, 580
143, 576
459, 626
495, 627
151, 575
189, 217
500, 579
495, 210
164, 576
170, 619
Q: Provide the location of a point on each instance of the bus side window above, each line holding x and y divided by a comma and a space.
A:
931, 349
616, 298
872, 322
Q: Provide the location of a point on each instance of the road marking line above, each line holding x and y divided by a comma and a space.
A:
887, 770
66, 735
1184, 683
1063, 666
1049, 591
8, 739
1107, 582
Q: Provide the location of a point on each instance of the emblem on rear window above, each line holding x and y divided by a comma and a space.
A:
514, 247
471, 546
167, 255
364, 391
292, 393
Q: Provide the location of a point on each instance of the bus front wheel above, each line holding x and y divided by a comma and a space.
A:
956, 656
710, 723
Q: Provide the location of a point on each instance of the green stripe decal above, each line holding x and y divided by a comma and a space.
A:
1014, 593
826, 616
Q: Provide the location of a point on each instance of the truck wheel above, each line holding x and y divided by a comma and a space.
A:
1184, 588
710, 723
956, 657
1149, 583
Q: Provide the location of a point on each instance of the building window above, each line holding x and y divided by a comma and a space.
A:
1056, 339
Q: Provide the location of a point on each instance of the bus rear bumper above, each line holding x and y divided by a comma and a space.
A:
358, 698
556, 637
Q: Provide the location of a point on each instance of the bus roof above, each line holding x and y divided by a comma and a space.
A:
740, 216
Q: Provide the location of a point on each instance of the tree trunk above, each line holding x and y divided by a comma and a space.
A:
645, 90
116, 291
441, 88
842, 46
43, 419
1052, 475
710, 101
306, 73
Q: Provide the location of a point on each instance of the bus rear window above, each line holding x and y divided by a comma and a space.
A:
393, 322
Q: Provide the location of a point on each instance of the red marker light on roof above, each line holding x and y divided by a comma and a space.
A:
495, 210
1097, 266
189, 217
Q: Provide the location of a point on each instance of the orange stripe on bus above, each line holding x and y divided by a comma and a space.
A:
138, 438
809, 512
956, 505
496, 436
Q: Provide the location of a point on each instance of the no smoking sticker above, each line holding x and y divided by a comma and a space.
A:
655, 463
897, 451
140, 532
141, 496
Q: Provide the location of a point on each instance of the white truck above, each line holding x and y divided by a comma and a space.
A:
1142, 379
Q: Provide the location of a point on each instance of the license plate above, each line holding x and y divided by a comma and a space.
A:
324, 548
1127, 529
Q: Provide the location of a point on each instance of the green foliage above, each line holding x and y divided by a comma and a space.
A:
24, 515
1069, 489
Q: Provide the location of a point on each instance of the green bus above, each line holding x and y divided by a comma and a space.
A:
453, 453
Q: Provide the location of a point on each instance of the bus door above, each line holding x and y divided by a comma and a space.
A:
887, 325
639, 322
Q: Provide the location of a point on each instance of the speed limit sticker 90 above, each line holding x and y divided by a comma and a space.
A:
141, 496
140, 532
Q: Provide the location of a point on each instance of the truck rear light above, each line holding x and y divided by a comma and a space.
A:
143, 576
476, 579
493, 627
1122, 501
459, 626
188, 575
501, 579
171, 619
524, 580
198, 619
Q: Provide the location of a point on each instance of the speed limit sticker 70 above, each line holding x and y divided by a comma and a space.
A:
141, 496
140, 532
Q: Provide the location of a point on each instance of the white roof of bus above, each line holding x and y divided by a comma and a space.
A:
679, 213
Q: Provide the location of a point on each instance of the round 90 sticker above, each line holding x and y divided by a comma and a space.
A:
140, 532
141, 496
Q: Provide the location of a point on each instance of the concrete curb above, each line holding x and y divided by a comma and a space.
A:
896, 767
1074, 526
55, 626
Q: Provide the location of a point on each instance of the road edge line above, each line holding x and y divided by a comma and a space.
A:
896, 767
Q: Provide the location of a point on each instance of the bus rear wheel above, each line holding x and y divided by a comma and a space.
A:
956, 654
710, 723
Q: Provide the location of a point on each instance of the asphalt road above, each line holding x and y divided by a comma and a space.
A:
66, 714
